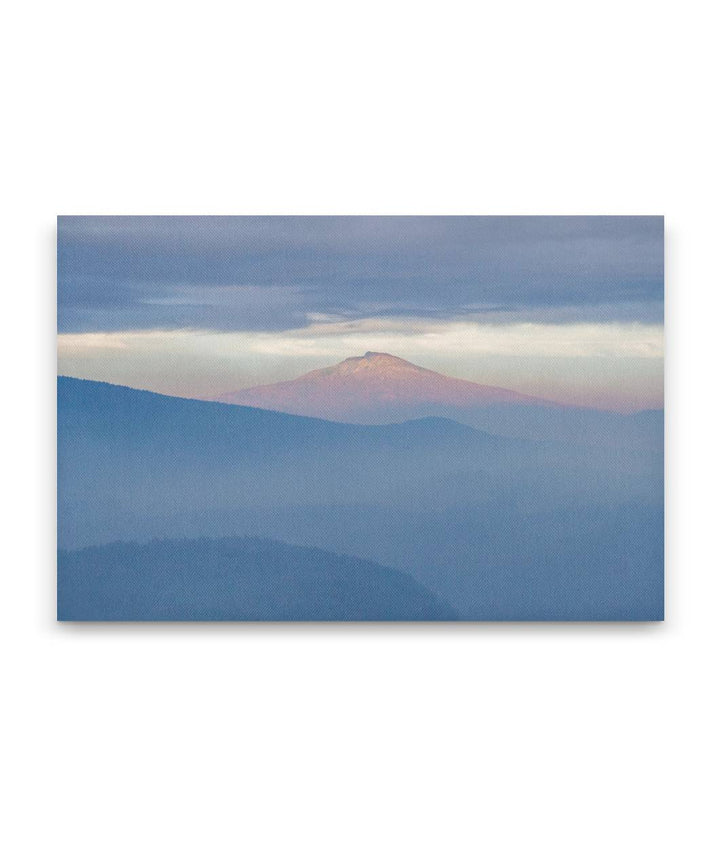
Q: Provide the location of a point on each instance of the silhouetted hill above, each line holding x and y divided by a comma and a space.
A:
232, 579
91, 406
125, 451
122, 449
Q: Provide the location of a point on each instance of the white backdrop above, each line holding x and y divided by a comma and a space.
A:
359, 740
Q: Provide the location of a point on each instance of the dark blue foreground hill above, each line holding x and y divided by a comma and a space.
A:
235, 579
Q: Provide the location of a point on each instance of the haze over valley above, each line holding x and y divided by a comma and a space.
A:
360, 418
494, 526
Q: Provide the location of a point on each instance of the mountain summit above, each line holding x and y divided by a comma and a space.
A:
374, 387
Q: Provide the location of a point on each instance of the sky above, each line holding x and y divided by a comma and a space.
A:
569, 308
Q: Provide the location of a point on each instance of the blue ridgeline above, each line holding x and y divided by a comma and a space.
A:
498, 528
235, 579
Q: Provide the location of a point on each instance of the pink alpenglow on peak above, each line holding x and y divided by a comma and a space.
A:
375, 387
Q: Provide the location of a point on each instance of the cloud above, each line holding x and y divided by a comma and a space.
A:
341, 338
616, 365
268, 273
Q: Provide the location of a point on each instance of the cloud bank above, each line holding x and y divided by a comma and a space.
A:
269, 273
618, 365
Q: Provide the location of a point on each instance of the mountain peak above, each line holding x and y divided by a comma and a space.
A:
376, 356
371, 362
374, 386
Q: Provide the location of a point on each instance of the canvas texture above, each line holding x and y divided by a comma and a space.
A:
360, 418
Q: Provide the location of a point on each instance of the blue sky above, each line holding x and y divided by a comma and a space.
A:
565, 306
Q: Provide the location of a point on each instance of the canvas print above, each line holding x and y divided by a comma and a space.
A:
360, 418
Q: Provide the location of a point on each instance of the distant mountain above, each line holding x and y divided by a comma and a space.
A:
235, 579
378, 389
370, 386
